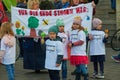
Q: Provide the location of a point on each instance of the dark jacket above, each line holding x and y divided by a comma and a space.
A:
21, 5
33, 53
58, 4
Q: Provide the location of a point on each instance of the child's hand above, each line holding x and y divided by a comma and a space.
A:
93, 4
90, 37
42, 41
57, 65
106, 35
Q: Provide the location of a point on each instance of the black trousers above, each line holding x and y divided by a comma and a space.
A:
101, 66
54, 74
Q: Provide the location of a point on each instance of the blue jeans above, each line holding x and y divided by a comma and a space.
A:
113, 4
10, 71
64, 68
81, 69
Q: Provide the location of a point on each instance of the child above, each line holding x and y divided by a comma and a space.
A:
97, 47
78, 49
64, 37
54, 54
8, 43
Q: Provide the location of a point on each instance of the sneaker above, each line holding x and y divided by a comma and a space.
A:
73, 73
115, 58
94, 75
100, 76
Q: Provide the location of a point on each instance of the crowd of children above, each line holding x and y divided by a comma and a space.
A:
58, 42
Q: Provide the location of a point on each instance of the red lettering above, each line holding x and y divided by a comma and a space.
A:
81, 10
22, 12
55, 13
63, 12
84, 9
45, 13
33, 13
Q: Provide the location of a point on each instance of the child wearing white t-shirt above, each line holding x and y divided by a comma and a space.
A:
54, 53
78, 49
64, 37
97, 47
8, 43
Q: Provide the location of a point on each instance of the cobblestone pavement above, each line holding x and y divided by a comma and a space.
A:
112, 70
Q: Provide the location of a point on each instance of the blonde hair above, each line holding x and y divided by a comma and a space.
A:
31, 3
6, 29
81, 28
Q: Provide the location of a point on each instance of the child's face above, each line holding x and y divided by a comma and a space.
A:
35, 6
99, 27
75, 26
75, 2
52, 35
61, 29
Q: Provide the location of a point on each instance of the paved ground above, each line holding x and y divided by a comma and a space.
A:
112, 70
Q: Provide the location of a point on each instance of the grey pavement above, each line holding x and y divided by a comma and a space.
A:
112, 70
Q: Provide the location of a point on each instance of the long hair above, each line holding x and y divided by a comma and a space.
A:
6, 29
79, 28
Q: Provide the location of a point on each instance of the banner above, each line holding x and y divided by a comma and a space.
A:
26, 21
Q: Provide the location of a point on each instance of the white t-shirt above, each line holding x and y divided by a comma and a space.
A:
53, 48
75, 36
9, 56
64, 38
97, 47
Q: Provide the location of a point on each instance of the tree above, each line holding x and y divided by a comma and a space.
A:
33, 23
